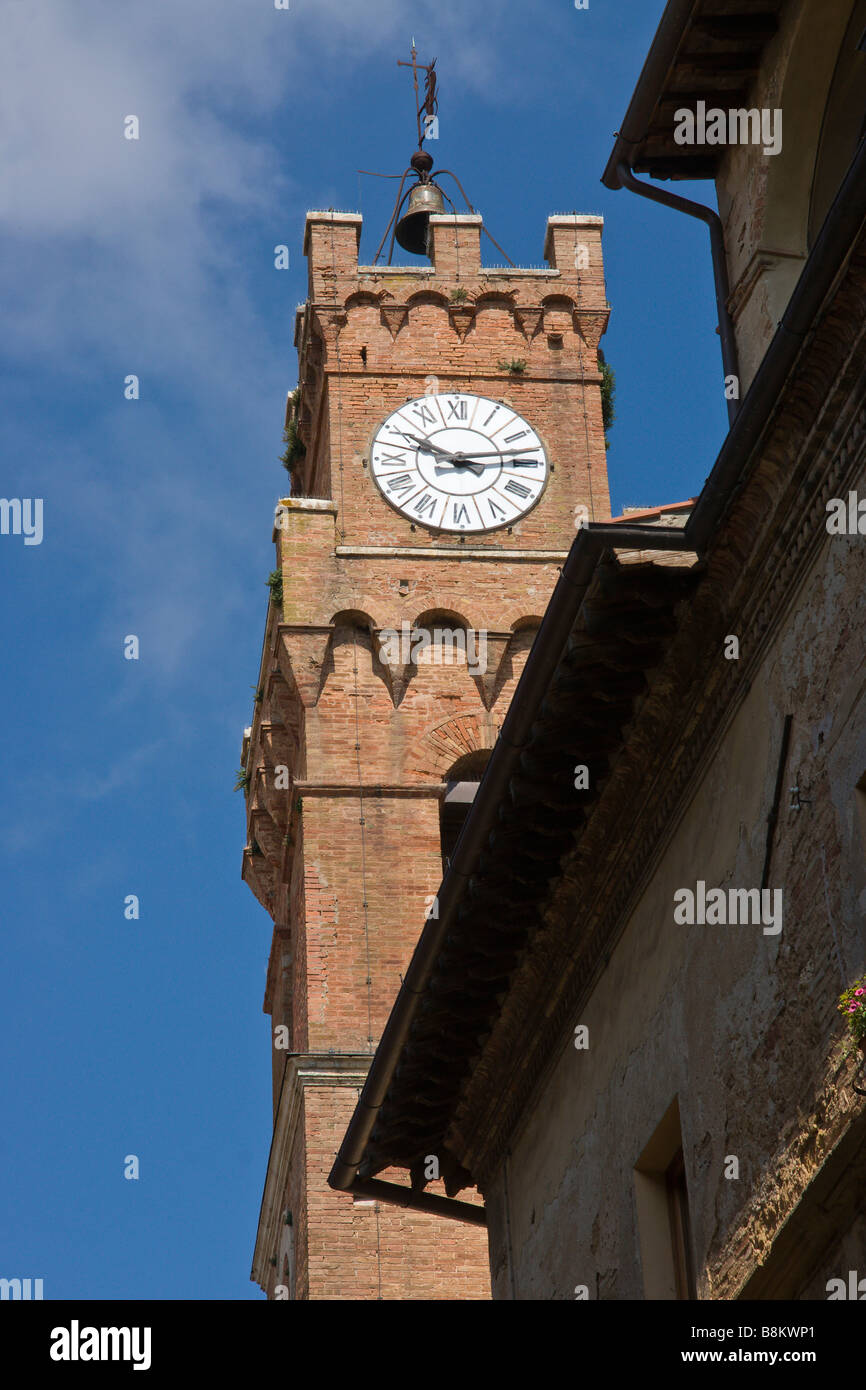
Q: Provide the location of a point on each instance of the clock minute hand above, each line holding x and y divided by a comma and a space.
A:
499, 453
454, 460
479, 468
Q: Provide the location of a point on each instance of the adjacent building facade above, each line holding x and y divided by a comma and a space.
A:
660, 889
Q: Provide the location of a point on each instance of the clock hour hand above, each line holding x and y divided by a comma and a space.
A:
426, 447
454, 460
476, 468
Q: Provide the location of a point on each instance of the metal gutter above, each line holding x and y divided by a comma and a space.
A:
658, 64
592, 540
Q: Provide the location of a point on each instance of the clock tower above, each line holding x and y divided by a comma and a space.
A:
450, 426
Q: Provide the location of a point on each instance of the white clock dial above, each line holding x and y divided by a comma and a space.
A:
456, 462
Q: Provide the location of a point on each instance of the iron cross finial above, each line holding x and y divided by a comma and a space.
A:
428, 108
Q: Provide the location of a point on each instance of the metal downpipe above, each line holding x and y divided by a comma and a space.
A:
730, 361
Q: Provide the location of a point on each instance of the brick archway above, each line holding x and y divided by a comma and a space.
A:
446, 743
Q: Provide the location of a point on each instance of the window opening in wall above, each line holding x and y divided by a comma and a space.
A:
860, 804
663, 1220
681, 1235
461, 784
456, 806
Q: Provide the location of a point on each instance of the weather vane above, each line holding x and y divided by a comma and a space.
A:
428, 120
425, 197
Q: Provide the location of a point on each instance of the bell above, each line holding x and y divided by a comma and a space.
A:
414, 226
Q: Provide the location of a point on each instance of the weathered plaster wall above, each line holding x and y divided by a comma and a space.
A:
740, 1025
764, 200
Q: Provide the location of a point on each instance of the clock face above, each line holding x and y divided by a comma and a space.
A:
455, 462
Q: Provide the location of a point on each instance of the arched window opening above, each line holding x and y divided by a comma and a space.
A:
844, 123
461, 785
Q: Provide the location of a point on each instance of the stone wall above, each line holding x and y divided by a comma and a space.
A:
740, 1025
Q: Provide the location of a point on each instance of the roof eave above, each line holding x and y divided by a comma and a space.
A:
662, 55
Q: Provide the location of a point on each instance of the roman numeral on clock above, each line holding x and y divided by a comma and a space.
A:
460, 514
425, 506
519, 489
424, 413
401, 484
495, 510
456, 409
521, 434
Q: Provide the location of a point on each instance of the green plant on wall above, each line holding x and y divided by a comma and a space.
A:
608, 392
295, 449
275, 584
460, 295
242, 780
515, 366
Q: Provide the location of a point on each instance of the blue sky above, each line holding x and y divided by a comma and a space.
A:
156, 257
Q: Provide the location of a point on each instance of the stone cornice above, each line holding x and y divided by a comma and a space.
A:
429, 552
433, 790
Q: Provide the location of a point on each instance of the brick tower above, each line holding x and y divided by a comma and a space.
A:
372, 723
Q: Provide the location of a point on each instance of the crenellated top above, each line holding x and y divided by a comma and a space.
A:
572, 249
455, 318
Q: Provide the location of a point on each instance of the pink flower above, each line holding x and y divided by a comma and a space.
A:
860, 991
852, 1008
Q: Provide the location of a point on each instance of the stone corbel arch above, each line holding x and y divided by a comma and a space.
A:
374, 638
486, 644
427, 299
515, 649
329, 324
365, 298
561, 303
496, 299
441, 617
428, 296
301, 650
355, 617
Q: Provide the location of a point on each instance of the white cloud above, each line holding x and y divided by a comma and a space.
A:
121, 256
116, 242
